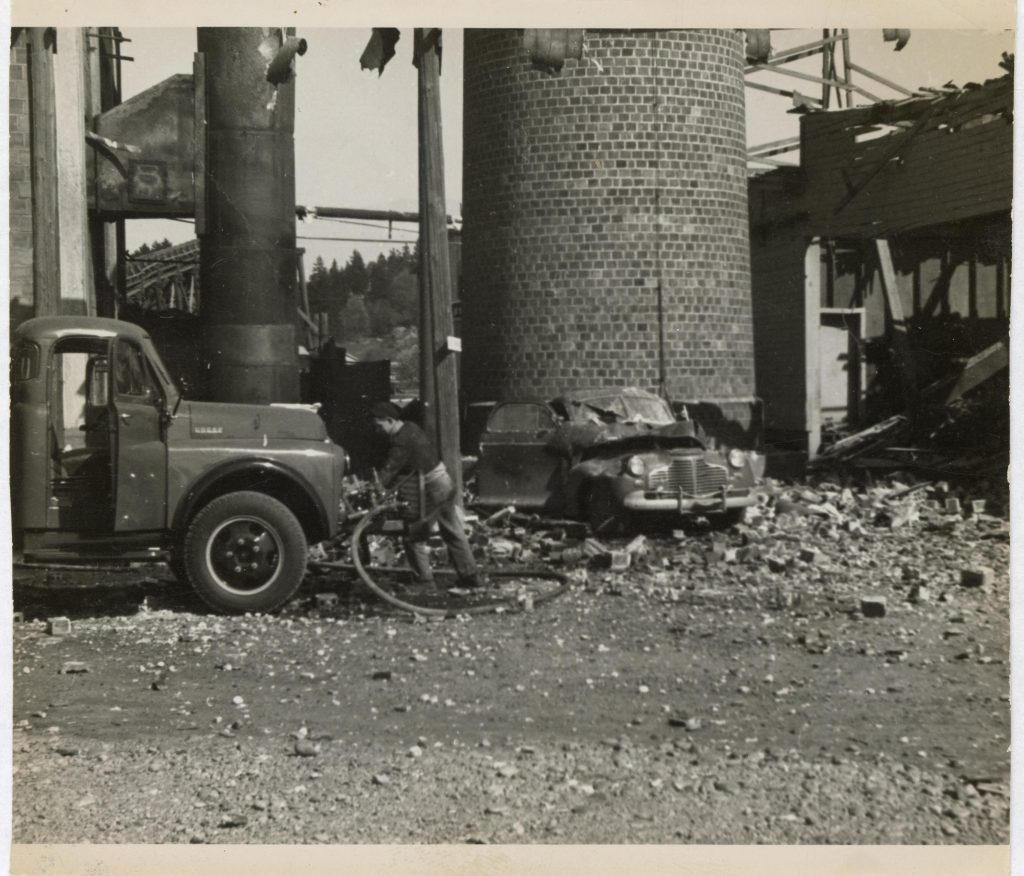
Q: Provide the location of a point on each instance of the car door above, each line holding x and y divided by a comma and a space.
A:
140, 450
517, 465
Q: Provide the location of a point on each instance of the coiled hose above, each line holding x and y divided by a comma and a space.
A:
508, 572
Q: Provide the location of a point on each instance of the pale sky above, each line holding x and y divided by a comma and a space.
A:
355, 133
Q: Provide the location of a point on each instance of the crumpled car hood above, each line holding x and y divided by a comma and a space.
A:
223, 420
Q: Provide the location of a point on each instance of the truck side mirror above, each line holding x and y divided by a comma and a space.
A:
98, 382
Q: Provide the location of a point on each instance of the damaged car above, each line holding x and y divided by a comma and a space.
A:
614, 457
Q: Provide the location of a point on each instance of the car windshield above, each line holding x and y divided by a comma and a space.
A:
631, 408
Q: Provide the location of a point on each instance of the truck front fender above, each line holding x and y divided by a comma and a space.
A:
265, 476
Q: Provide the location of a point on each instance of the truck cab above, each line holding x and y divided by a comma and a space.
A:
110, 463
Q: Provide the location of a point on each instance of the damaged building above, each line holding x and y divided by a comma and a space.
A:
881, 265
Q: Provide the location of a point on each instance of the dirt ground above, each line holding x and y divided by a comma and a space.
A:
725, 688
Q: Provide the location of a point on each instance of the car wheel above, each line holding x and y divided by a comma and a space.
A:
245, 551
603, 513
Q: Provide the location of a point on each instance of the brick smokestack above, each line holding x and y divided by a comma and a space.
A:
585, 191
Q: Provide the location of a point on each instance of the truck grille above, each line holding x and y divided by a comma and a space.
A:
692, 475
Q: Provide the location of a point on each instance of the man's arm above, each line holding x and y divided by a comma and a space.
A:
398, 459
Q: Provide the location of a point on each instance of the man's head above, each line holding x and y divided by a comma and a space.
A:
387, 417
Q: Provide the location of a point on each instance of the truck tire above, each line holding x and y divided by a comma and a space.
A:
245, 551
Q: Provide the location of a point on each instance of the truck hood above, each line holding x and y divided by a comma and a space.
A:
224, 420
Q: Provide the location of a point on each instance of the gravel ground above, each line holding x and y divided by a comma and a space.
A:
726, 688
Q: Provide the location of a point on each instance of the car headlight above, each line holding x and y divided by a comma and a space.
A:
737, 457
635, 466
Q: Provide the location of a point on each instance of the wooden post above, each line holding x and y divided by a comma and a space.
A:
101, 46
902, 354
812, 346
45, 231
439, 392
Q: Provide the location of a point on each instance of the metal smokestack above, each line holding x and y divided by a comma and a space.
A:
247, 233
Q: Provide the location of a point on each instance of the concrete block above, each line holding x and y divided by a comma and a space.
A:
977, 576
952, 506
873, 606
811, 555
58, 626
620, 560
977, 507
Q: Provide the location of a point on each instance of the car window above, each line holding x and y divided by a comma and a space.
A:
520, 418
132, 377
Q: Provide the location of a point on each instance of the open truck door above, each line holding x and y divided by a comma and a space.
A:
138, 441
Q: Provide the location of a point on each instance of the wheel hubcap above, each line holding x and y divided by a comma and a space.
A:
244, 555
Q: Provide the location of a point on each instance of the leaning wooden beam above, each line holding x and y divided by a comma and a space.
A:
789, 143
760, 159
820, 80
880, 79
786, 55
900, 340
777, 151
976, 371
900, 142
863, 441
781, 91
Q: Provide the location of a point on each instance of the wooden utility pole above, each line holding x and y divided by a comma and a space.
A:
45, 229
439, 390
102, 95
78, 297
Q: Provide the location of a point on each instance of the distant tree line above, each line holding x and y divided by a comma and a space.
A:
148, 248
363, 300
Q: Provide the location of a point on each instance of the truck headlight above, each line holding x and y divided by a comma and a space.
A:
737, 457
635, 466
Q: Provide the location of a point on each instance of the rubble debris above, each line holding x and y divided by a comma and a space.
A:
74, 667
326, 600
500, 516
304, 747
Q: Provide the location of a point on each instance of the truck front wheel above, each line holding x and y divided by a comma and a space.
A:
245, 551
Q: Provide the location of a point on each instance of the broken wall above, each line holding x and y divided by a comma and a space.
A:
954, 286
931, 175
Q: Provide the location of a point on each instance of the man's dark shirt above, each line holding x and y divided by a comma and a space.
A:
410, 451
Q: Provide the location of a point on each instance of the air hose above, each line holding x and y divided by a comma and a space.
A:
492, 607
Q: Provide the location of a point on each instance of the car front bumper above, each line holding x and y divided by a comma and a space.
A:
646, 500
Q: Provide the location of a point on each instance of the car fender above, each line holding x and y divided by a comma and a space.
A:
239, 468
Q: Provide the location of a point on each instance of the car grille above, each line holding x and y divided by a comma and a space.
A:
692, 475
